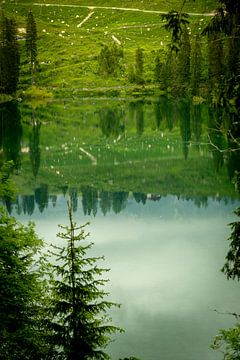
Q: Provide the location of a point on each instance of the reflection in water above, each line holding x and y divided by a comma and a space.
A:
216, 136
164, 258
42, 197
111, 121
184, 113
158, 219
94, 201
34, 143
196, 121
10, 132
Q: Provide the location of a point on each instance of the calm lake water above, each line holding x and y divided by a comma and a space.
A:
158, 195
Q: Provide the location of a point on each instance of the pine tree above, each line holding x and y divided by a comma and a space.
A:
31, 43
183, 66
109, 60
196, 66
79, 322
9, 56
157, 69
139, 66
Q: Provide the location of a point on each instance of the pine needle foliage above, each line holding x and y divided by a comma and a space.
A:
79, 324
9, 56
232, 266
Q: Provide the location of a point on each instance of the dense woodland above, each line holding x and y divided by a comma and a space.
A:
58, 310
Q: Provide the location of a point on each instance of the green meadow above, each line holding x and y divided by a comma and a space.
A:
71, 36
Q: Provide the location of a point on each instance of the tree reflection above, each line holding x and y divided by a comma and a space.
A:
140, 197
41, 197
74, 198
111, 121
185, 127
136, 114
158, 113
34, 142
216, 136
89, 200
10, 132
105, 201
196, 122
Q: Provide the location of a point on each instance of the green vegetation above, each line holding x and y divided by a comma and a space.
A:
49, 311
79, 325
70, 40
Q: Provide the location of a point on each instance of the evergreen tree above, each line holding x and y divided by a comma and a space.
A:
184, 62
31, 42
196, 66
139, 66
79, 323
109, 60
34, 149
21, 331
157, 69
9, 56
215, 68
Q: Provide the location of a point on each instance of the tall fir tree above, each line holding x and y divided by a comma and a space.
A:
183, 63
139, 62
79, 323
9, 56
196, 66
31, 43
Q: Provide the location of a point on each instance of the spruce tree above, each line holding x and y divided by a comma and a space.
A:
9, 56
31, 42
196, 66
139, 66
79, 324
157, 69
183, 66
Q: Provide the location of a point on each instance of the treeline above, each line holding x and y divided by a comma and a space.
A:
92, 200
198, 63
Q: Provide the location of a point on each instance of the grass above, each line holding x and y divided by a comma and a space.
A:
68, 54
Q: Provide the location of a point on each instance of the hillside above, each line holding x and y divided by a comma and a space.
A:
71, 36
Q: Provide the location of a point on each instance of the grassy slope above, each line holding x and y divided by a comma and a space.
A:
68, 53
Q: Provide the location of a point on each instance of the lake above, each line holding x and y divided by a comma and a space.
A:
156, 182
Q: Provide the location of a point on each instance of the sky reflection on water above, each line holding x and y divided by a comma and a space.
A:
165, 259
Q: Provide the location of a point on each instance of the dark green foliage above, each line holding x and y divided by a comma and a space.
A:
183, 63
79, 325
196, 66
176, 22
110, 121
135, 74
169, 72
41, 196
215, 68
21, 336
185, 126
9, 56
31, 42
232, 265
7, 187
157, 69
228, 342
11, 132
109, 60
34, 146
139, 66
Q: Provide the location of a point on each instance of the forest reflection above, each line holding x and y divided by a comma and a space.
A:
93, 201
127, 123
